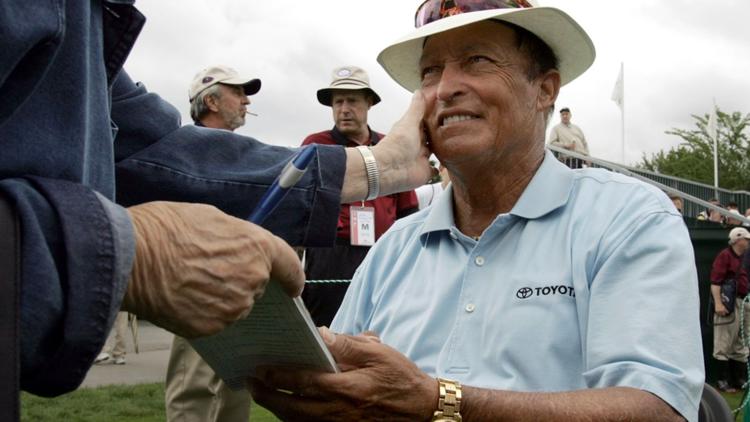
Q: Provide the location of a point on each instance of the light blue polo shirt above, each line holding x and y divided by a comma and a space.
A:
588, 282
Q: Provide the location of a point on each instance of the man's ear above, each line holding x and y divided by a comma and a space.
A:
549, 88
211, 103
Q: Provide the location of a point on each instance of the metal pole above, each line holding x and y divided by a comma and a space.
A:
715, 134
622, 111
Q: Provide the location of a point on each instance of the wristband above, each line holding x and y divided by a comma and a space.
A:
449, 402
373, 175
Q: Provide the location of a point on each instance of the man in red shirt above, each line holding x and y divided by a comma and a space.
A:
729, 351
350, 98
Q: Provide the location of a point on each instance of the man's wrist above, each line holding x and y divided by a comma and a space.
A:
371, 169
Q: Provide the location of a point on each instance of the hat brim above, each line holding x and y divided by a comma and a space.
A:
251, 86
324, 94
574, 49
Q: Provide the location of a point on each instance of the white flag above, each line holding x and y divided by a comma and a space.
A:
712, 127
618, 93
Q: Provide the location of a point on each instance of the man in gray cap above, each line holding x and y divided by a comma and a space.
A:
218, 97
218, 100
457, 312
350, 97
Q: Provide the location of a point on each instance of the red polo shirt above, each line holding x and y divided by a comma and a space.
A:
727, 264
387, 208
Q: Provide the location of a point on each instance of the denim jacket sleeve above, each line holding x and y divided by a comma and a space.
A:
76, 246
156, 159
77, 249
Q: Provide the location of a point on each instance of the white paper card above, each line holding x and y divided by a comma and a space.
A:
278, 331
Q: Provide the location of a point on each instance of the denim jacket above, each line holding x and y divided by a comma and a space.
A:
70, 121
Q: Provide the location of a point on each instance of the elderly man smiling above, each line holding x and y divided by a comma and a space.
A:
529, 291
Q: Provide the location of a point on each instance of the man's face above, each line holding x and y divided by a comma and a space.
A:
565, 117
232, 106
350, 111
480, 102
741, 245
677, 204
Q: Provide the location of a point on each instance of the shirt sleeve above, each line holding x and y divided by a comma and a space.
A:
28, 48
719, 268
77, 250
553, 136
156, 159
584, 144
638, 261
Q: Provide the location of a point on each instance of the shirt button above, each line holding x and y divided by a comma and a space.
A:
479, 260
453, 236
470, 308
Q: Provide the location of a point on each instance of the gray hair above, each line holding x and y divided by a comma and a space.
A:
198, 107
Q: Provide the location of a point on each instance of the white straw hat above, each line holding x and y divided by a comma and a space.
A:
570, 43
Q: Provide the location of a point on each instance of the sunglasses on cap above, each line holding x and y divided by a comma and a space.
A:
433, 10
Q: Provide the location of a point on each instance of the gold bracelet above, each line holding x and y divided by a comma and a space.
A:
449, 402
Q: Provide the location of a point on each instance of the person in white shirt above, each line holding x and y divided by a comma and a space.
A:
569, 136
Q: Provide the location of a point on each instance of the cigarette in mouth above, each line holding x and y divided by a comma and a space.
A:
251, 113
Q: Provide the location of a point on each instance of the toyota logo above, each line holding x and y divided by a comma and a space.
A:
524, 293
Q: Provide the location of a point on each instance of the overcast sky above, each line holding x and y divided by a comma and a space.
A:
679, 56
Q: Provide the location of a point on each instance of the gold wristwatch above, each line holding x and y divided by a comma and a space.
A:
449, 402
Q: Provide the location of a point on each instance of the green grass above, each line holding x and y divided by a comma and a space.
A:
138, 403
141, 403
734, 400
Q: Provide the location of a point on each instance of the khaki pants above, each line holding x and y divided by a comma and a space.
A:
195, 394
115, 344
728, 343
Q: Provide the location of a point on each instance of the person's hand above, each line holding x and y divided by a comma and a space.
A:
720, 309
198, 269
378, 383
402, 155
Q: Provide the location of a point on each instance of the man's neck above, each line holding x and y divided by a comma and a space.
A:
214, 122
482, 191
362, 137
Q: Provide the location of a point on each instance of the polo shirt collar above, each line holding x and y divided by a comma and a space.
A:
548, 190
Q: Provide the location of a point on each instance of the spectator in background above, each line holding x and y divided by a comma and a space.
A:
569, 136
729, 351
350, 97
219, 97
734, 209
677, 201
733, 221
114, 349
218, 100
712, 215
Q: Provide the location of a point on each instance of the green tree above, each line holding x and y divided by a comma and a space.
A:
693, 158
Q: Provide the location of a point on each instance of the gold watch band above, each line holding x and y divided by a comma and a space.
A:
449, 402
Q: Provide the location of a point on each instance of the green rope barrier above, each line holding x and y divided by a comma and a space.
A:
746, 341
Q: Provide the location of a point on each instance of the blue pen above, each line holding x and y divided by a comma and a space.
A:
290, 175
